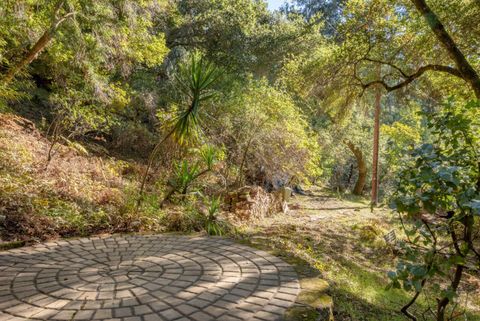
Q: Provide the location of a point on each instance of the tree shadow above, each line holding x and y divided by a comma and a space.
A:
220, 278
333, 208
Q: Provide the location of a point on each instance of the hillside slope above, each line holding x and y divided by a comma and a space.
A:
73, 194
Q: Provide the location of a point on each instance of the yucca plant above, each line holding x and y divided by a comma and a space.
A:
210, 155
213, 226
183, 176
196, 81
185, 173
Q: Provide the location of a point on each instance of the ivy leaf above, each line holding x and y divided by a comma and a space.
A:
447, 174
418, 271
449, 293
457, 260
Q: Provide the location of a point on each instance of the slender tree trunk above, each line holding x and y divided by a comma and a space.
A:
31, 55
54, 141
442, 304
466, 70
41, 43
362, 168
468, 222
376, 140
151, 159
242, 164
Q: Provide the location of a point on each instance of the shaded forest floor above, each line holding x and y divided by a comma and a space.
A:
341, 241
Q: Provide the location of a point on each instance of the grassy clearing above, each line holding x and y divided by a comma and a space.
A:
343, 241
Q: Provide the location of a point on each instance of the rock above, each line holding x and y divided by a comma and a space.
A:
253, 202
286, 193
314, 294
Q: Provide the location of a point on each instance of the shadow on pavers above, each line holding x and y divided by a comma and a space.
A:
313, 303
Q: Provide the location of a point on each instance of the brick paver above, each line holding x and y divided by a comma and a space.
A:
144, 277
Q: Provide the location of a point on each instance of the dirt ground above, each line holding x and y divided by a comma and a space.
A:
343, 240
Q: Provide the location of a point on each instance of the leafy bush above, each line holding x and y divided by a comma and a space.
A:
266, 135
182, 219
438, 195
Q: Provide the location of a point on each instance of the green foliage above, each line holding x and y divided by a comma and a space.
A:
213, 226
196, 80
86, 68
261, 127
186, 219
184, 174
210, 155
442, 175
240, 35
438, 193
187, 171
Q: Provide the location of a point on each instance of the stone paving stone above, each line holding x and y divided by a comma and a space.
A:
201, 316
170, 314
103, 314
84, 315
228, 318
186, 309
144, 278
215, 311
142, 309
64, 315
152, 317
122, 312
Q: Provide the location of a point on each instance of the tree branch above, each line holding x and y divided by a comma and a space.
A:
469, 74
407, 78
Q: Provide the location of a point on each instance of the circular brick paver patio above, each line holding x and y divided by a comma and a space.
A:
144, 278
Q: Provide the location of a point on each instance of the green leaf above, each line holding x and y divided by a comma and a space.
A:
417, 285
392, 275
474, 205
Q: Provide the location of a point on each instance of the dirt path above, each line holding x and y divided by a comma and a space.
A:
342, 239
343, 229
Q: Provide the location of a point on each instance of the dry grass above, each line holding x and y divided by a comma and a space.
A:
73, 194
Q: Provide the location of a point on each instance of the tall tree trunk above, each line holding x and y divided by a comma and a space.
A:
466, 70
41, 43
362, 168
376, 140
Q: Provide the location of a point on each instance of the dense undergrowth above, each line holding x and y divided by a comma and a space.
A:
78, 193
73, 194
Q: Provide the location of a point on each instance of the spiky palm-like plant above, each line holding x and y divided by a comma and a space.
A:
196, 81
